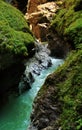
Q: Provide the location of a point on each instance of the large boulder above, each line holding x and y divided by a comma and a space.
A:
16, 44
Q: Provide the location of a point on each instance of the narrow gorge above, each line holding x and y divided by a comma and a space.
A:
40, 65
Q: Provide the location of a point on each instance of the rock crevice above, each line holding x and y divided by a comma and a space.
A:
39, 15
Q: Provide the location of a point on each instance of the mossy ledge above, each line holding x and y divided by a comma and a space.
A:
16, 44
59, 102
15, 36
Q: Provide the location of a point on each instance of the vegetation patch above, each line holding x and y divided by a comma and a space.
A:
68, 22
67, 79
66, 83
15, 36
71, 91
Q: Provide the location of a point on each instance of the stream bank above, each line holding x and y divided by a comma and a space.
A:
63, 88
16, 45
16, 113
18, 42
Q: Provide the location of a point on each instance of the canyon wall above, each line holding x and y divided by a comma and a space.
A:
39, 14
59, 102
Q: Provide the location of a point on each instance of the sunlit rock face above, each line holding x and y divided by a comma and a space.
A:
39, 15
32, 5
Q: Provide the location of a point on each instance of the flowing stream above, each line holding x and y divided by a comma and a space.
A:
16, 114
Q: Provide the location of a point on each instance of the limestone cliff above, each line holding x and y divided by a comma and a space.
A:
59, 102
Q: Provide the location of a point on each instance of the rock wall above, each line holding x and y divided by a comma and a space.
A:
32, 5
59, 47
58, 104
16, 44
39, 14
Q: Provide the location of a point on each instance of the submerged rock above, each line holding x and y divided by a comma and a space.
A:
24, 84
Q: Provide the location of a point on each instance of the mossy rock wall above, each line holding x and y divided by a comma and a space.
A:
68, 22
63, 91
15, 36
64, 86
16, 44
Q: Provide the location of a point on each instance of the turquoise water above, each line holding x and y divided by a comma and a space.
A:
16, 114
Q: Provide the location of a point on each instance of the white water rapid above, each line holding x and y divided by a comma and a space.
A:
16, 114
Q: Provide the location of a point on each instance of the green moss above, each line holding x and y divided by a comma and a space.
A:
68, 22
74, 31
70, 92
13, 16
15, 36
67, 80
66, 84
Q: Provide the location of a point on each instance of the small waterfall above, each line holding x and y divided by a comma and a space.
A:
16, 114
34, 66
